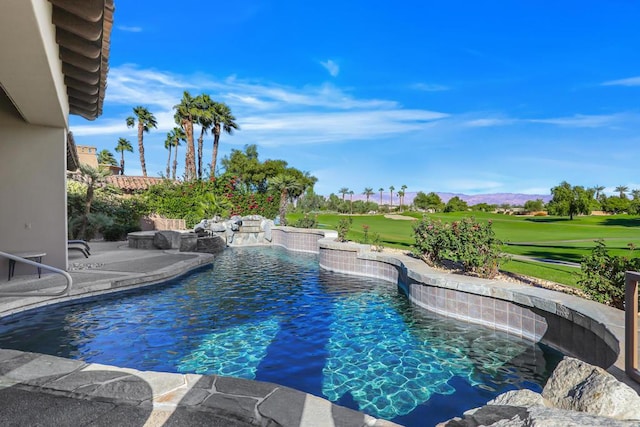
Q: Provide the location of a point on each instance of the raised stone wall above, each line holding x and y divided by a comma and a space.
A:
299, 239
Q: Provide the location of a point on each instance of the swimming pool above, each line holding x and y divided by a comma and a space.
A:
271, 315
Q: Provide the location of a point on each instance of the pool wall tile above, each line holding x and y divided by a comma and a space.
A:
532, 316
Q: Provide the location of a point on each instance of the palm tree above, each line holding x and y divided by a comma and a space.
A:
391, 194
123, 145
168, 144
92, 176
343, 191
368, 192
636, 194
351, 201
598, 189
204, 117
284, 183
146, 121
105, 157
177, 135
404, 189
185, 116
622, 189
380, 190
401, 197
223, 120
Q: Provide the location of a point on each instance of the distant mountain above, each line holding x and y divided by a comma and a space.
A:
514, 199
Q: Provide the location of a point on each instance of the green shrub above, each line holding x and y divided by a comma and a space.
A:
602, 275
471, 244
306, 222
343, 228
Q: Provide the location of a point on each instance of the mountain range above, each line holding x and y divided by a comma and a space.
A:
514, 199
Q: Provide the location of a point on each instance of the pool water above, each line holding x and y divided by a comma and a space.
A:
273, 315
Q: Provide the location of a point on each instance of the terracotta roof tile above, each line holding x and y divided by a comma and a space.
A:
133, 183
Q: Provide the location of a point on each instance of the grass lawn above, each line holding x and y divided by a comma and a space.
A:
556, 238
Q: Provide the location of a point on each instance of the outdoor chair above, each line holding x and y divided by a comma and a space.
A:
79, 245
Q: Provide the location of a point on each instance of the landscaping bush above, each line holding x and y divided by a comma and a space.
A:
602, 275
470, 244
306, 222
343, 228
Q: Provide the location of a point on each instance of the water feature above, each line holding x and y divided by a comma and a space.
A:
272, 315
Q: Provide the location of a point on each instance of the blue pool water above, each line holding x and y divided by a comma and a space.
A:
271, 315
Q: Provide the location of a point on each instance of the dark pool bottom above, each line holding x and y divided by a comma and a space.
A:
271, 315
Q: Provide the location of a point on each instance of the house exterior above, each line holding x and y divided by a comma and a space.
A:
53, 62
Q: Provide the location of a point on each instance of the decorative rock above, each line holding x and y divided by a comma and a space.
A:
576, 385
188, 242
165, 239
265, 226
524, 397
211, 245
217, 227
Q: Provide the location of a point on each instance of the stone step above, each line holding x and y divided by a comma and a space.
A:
249, 229
251, 223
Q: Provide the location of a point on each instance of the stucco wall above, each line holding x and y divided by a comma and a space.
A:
32, 189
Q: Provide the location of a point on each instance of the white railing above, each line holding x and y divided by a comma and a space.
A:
66, 275
631, 279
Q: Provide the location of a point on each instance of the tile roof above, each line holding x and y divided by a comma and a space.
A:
83, 34
133, 183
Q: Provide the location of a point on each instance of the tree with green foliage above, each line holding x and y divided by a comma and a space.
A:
203, 116
391, 188
344, 191
223, 121
597, 191
381, 190
92, 176
146, 120
616, 204
368, 192
351, 201
456, 204
569, 200
534, 205
105, 157
123, 145
483, 207
284, 184
185, 116
404, 191
429, 201
176, 135
622, 191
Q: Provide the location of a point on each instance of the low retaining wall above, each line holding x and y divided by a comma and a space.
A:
578, 327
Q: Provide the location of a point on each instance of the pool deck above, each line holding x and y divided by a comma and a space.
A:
43, 390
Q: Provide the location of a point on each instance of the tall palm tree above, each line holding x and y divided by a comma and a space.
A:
185, 116
343, 191
146, 121
404, 190
635, 193
622, 189
284, 183
391, 188
122, 146
380, 190
401, 197
368, 192
223, 120
177, 135
168, 144
351, 201
598, 189
204, 117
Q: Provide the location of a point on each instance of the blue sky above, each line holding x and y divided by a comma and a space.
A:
458, 96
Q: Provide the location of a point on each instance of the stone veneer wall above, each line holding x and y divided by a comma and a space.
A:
537, 318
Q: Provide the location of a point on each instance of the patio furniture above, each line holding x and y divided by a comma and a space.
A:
32, 255
79, 245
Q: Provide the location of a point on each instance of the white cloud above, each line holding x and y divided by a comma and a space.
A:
332, 67
429, 87
582, 120
488, 122
631, 81
129, 29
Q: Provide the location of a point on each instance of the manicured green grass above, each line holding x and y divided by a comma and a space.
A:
556, 238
